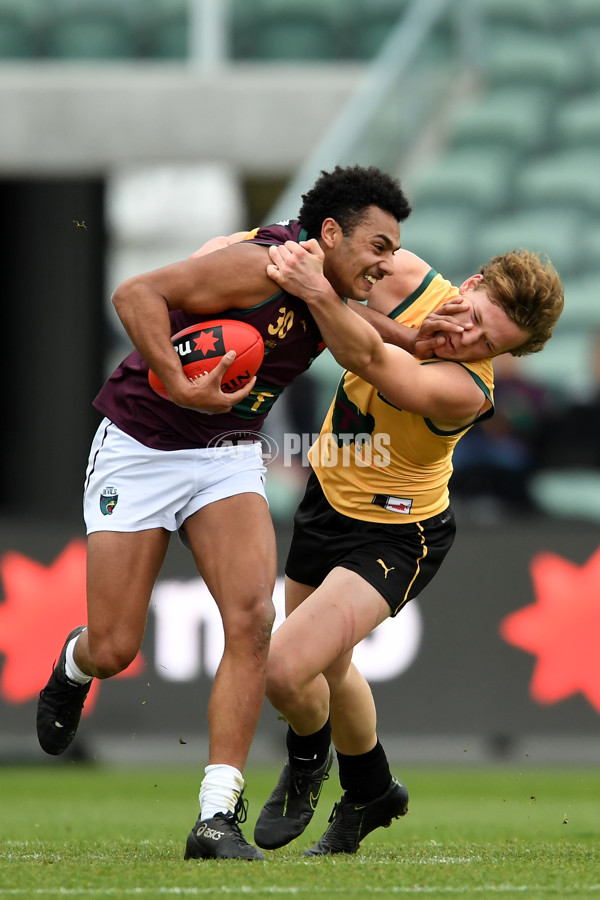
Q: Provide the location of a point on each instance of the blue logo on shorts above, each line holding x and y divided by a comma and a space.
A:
108, 500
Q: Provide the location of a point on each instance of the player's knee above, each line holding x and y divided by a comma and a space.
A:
251, 623
283, 683
108, 659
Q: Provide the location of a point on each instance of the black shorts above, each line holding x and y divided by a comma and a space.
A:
398, 559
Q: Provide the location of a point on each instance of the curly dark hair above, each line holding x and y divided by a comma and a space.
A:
529, 290
345, 195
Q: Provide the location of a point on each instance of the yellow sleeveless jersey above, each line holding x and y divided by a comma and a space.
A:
378, 463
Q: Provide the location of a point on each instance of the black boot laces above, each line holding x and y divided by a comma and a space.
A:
240, 813
301, 780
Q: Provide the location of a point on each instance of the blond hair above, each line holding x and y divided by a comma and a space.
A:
529, 290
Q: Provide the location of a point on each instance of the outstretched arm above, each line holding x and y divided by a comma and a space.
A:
420, 342
444, 392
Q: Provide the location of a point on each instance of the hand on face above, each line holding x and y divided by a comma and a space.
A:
487, 329
447, 319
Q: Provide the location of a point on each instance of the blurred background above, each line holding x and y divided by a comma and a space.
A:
133, 131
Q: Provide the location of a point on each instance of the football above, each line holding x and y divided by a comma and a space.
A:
200, 347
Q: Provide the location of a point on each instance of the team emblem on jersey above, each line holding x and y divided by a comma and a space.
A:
108, 500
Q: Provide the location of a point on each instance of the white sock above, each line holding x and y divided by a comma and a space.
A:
220, 790
72, 670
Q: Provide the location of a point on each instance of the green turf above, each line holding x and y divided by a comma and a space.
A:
68, 830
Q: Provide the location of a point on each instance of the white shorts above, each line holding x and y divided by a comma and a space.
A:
129, 487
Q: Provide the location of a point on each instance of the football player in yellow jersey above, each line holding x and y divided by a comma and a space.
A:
376, 522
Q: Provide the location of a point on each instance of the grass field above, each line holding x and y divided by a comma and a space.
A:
68, 830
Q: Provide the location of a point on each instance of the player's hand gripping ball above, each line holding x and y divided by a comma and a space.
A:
201, 347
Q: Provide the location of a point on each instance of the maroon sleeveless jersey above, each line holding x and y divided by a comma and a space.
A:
292, 341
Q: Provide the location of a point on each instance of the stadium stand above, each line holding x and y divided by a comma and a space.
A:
268, 30
479, 178
21, 28
89, 34
515, 57
17, 38
164, 31
530, 16
540, 98
445, 236
367, 33
290, 34
583, 13
519, 156
577, 124
517, 117
552, 231
581, 312
566, 178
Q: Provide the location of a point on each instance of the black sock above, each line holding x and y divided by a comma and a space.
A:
309, 751
366, 776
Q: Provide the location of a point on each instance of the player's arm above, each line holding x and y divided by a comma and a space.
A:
230, 278
421, 342
442, 391
388, 329
389, 293
218, 243
409, 273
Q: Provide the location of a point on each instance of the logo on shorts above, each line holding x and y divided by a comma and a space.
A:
108, 500
385, 568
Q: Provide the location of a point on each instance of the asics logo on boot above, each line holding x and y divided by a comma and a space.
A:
210, 833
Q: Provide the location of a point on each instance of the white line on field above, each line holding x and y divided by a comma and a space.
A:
526, 889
